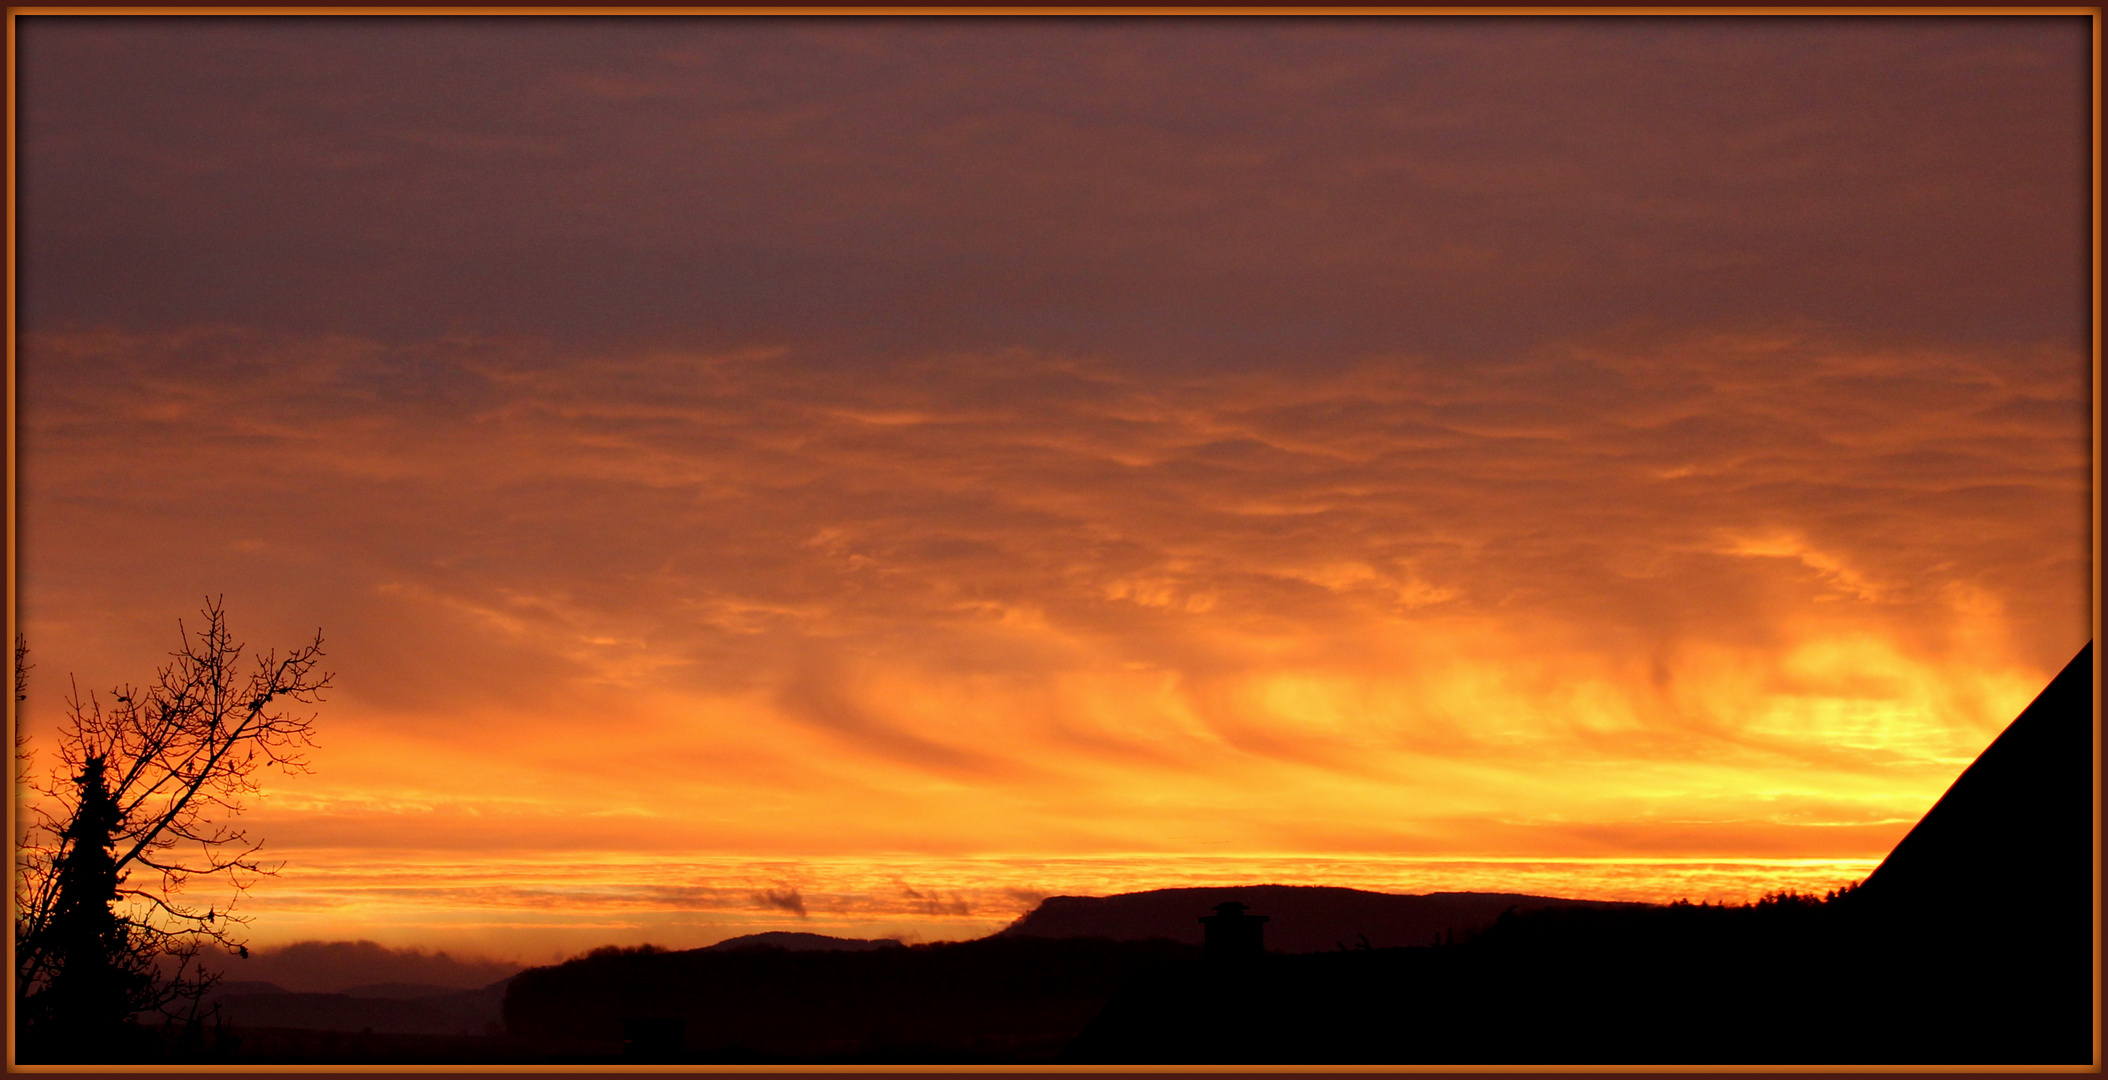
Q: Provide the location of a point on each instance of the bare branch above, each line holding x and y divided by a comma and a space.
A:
173, 762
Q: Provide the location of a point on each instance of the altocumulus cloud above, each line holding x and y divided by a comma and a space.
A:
1777, 583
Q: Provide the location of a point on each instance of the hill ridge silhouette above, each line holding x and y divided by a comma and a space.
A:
800, 941
1306, 918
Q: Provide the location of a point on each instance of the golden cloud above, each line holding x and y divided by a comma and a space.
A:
1756, 596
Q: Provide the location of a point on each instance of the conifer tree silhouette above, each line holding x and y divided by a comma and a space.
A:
97, 978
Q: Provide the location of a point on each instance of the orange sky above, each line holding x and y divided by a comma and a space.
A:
1331, 546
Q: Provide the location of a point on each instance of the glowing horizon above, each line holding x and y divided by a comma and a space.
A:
544, 909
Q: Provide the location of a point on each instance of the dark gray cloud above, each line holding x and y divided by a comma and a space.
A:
1278, 192
782, 899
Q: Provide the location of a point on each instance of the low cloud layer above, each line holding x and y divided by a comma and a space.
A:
327, 967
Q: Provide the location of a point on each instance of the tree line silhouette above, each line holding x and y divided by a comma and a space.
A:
1788, 979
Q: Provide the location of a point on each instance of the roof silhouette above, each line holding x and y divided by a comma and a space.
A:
2019, 821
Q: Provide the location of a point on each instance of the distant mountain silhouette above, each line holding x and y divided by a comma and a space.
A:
401, 991
226, 987
1305, 918
794, 941
327, 967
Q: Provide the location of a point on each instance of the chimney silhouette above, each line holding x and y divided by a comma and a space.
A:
1234, 935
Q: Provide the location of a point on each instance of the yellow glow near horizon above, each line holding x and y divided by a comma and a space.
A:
536, 909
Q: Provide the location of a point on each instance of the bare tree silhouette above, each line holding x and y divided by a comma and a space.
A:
137, 807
